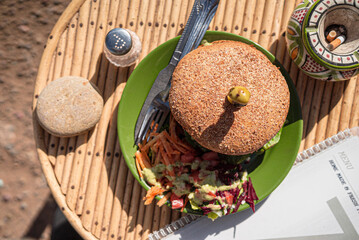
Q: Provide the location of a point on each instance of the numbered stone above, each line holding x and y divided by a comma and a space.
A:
69, 106
122, 47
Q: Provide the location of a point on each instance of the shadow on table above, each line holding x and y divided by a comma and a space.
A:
213, 228
62, 229
51, 215
42, 220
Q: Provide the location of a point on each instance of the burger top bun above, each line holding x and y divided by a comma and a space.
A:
198, 97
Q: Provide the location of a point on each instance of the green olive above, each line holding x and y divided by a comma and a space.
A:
238, 95
204, 42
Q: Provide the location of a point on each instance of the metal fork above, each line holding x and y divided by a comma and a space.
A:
155, 110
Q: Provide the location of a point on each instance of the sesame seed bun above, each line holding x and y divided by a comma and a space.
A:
198, 97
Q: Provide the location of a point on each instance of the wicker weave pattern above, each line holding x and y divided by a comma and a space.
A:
87, 175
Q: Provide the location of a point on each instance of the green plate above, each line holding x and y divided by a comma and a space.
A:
266, 173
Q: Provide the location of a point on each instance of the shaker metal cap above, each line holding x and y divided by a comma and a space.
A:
118, 41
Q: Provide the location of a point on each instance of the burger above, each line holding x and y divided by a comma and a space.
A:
228, 103
202, 100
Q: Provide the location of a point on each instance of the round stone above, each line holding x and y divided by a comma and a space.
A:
69, 106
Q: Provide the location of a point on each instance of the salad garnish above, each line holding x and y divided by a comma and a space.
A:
188, 177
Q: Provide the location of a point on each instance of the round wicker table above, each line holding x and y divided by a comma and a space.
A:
87, 175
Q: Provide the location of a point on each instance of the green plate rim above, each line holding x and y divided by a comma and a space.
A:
295, 127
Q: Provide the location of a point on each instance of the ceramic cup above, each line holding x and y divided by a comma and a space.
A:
307, 41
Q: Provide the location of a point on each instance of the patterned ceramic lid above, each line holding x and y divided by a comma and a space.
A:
321, 15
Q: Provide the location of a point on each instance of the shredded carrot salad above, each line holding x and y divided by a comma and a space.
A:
166, 148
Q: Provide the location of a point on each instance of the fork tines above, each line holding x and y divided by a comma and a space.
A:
154, 119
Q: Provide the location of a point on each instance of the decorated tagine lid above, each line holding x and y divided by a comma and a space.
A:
323, 38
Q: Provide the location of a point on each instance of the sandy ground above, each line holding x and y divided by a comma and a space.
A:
26, 206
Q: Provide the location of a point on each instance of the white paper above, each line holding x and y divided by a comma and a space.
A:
317, 200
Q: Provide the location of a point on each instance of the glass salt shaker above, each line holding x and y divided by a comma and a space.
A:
122, 47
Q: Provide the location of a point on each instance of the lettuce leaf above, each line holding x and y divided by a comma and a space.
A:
273, 141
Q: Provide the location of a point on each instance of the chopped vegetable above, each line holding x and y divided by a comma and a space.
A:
176, 201
229, 198
182, 174
187, 158
151, 193
273, 141
212, 215
211, 194
139, 170
142, 160
164, 199
185, 203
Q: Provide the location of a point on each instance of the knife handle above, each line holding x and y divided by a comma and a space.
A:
198, 31
203, 30
185, 34
196, 23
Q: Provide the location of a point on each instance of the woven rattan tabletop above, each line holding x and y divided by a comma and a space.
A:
87, 175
